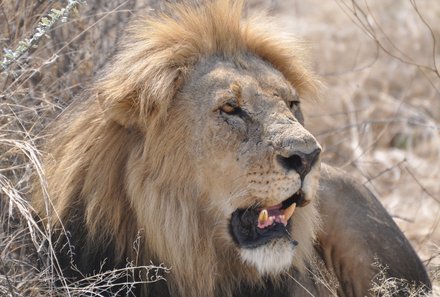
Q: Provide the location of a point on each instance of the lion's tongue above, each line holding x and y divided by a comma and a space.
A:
268, 216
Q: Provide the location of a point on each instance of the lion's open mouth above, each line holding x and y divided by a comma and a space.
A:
255, 226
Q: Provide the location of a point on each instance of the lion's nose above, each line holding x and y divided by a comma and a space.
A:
300, 162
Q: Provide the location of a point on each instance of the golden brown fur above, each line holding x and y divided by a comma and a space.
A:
123, 124
126, 162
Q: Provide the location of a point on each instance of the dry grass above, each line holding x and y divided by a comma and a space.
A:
379, 117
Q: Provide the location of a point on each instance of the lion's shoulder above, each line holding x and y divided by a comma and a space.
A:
357, 232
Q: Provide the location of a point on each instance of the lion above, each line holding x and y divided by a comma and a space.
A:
193, 140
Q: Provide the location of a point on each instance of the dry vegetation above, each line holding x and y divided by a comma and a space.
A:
379, 117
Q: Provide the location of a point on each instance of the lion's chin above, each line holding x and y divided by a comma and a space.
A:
272, 258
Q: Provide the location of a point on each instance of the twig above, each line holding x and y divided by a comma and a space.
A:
385, 171
10, 287
434, 40
45, 24
420, 185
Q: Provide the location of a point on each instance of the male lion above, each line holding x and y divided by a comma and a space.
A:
193, 138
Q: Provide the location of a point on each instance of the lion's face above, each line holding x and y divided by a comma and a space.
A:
254, 158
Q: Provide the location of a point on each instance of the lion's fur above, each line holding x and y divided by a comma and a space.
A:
109, 157
161, 50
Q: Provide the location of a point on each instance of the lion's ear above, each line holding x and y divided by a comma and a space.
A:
125, 111
132, 104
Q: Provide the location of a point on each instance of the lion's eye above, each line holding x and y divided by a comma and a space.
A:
230, 108
293, 104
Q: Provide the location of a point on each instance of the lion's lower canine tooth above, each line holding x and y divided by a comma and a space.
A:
263, 216
288, 212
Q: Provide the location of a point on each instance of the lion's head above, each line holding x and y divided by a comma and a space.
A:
195, 139
251, 158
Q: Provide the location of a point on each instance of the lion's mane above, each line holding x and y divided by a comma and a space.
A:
117, 164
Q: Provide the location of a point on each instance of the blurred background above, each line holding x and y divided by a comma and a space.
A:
378, 116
